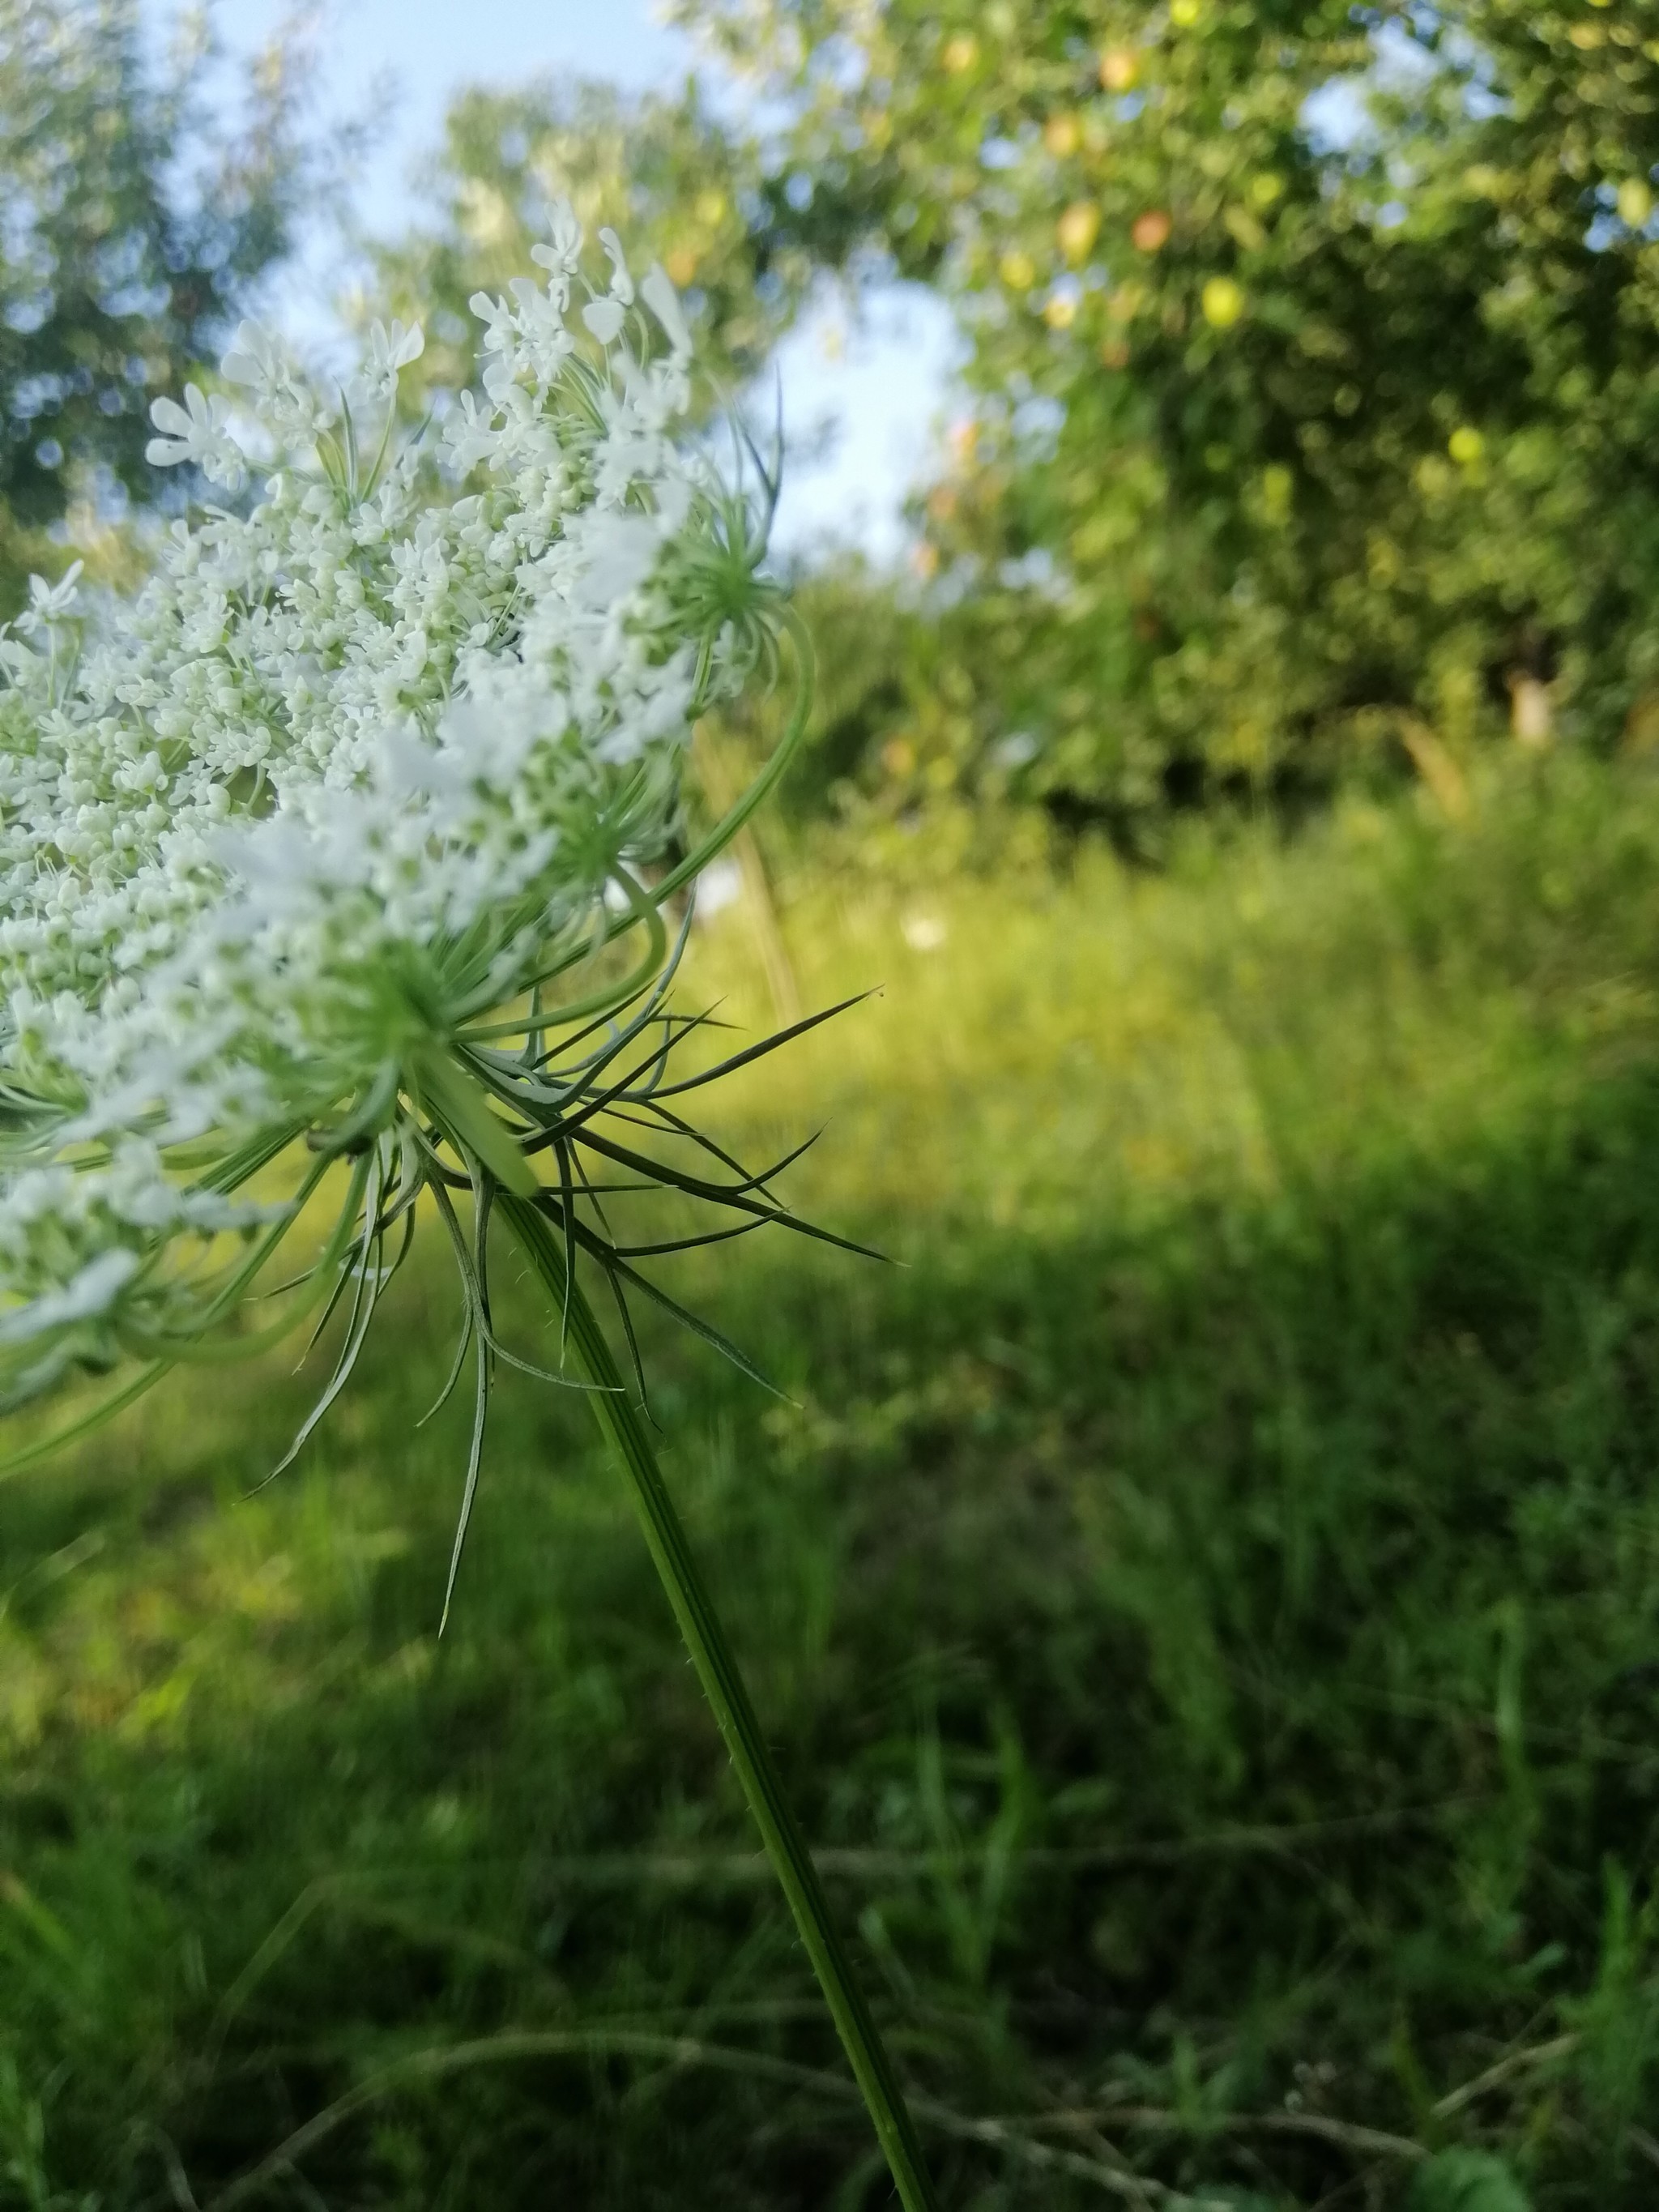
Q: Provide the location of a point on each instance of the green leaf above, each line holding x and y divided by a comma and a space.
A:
1465, 2181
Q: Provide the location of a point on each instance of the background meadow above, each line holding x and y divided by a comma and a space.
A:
1202, 1582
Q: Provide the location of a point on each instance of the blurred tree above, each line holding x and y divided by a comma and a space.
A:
666, 171
135, 216
1315, 367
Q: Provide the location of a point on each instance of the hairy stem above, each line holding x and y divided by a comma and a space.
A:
723, 1686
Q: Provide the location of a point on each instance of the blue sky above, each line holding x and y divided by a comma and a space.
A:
882, 388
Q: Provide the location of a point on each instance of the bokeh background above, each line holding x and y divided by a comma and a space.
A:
1204, 1588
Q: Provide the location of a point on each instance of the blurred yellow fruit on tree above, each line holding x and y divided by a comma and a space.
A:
1078, 229
1223, 302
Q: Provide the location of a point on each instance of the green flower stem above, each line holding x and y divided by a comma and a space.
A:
454, 1097
723, 1686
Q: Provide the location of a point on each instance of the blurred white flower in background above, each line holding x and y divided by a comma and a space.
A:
923, 932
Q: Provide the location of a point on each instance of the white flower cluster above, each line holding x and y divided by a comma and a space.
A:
361, 763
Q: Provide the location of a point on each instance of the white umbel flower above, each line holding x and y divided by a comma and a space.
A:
197, 433
390, 350
359, 767
314, 863
49, 603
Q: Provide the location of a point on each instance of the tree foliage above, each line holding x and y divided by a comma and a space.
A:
139, 215
1316, 365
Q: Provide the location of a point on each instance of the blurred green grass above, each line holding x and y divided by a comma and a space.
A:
1205, 1599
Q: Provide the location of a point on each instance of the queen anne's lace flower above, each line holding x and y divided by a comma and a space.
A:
363, 764
389, 351
49, 603
197, 433
314, 864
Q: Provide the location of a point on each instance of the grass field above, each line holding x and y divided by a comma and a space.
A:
1206, 1601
